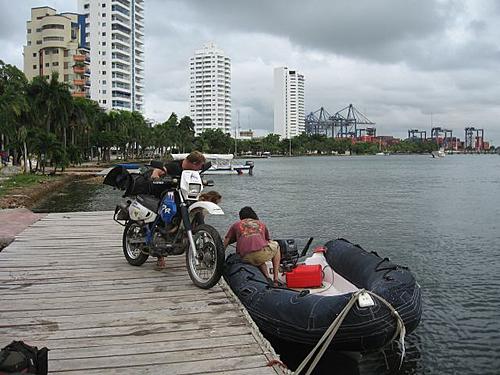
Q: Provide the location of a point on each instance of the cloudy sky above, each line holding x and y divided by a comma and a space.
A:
402, 63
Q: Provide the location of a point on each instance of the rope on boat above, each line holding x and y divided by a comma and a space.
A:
328, 336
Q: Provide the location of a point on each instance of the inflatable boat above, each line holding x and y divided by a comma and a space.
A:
317, 289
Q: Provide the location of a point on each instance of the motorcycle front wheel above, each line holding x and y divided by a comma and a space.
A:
133, 244
205, 270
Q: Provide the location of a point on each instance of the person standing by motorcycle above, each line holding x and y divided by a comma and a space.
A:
194, 162
253, 243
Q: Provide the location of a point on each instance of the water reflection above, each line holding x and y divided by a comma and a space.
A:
387, 361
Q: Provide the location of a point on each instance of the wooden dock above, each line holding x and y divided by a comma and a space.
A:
65, 284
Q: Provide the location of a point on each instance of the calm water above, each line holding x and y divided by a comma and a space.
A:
440, 217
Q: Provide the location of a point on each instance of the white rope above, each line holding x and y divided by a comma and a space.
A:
327, 337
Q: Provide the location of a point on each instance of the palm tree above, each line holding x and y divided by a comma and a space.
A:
53, 104
13, 109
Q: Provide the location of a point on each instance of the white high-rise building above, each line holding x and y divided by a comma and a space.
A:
289, 115
210, 89
115, 36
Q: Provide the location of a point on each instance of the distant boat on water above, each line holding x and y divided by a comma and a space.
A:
439, 153
222, 164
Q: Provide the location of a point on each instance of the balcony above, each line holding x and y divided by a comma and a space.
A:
79, 69
79, 94
79, 58
78, 82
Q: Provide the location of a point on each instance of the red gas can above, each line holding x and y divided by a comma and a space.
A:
305, 276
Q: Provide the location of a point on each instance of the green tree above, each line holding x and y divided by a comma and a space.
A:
14, 110
214, 141
185, 133
271, 143
52, 105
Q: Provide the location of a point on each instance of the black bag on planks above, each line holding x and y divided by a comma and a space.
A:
20, 358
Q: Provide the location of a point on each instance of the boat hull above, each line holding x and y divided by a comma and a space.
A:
301, 317
229, 170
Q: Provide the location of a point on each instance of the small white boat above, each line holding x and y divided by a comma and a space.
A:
438, 154
222, 164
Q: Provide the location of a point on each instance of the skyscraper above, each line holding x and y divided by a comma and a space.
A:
210, 89
56, 43
115, 36
289, 115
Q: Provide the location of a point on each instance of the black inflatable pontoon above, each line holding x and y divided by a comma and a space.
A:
304, 316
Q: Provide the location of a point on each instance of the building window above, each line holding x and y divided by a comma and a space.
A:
47, 51
34, 54
104, 91
29, 31
104, 101
104, 14
47, 65
38, 42
66, 77
104, 5
66, 53
103, 72
104, 33
66, 65
29, 42
34, 66
104, 24
55, 63
104, 63
103, 43
86, 6
104, 82
53, 39
53, 26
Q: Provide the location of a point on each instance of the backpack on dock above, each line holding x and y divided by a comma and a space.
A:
20, 358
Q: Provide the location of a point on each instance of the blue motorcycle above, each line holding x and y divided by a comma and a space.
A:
165, 217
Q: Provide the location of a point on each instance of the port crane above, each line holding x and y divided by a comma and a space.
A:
469, 143
447, 136
422, 134
343, 124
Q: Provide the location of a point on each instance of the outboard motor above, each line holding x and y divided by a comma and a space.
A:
251, 164
289, 254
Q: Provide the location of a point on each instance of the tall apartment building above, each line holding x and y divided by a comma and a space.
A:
210, 89
115, 36
289, 115
56, 43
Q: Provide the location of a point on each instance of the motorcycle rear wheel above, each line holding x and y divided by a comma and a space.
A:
134, 251
210, 260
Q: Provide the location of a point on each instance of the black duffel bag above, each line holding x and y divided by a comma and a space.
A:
20, 358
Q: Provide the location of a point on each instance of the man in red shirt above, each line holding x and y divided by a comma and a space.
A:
253, 243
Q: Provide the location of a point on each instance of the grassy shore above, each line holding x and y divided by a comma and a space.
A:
24, 190
12, 183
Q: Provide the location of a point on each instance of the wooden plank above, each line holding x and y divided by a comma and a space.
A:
152, 358
168, 301
124, 324
65, 284
213, 366
150, 336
